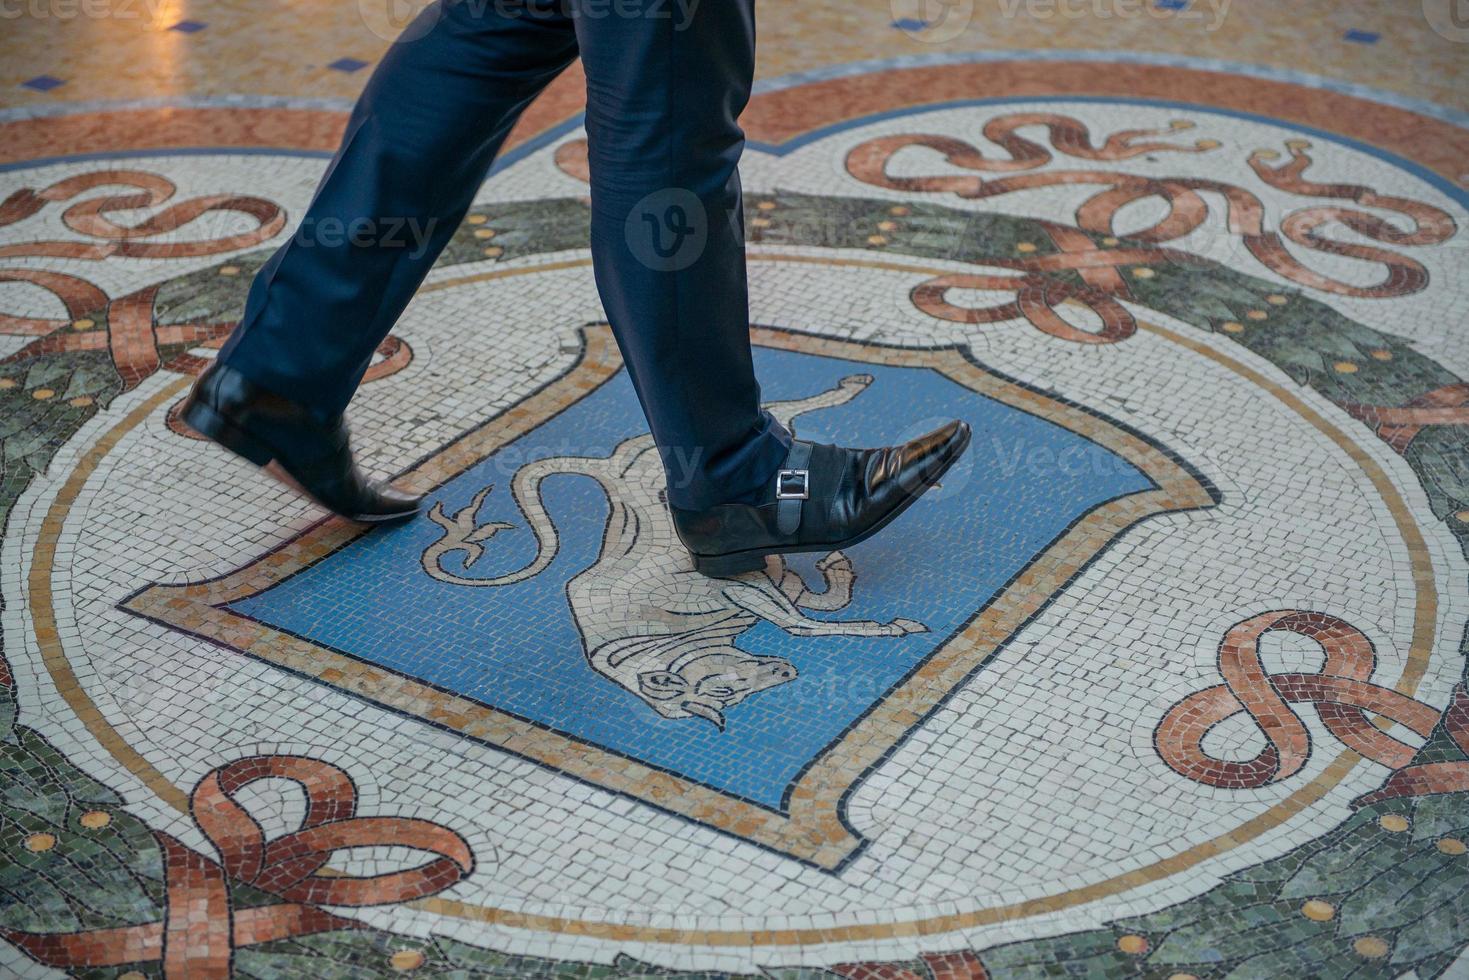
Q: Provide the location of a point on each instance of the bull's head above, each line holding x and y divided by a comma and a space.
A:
718, 678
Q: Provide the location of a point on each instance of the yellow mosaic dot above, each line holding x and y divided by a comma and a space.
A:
131, 975
1132, 944
80, 401
1143, 273
1109, 240
1025, 247
484, 233
43, 394
898, 210
1393, 823
1256, 315
477, 219
876, 240
1382, 355
1208, 144
229, 270
1182, 976
8, 382
1276, 299
1451, 845
760, 222
85, 323
766, 205
1317, 910
1370, 947
96, 819
1462, 516
1233, 327
886, 225
1345, 367
494, 251
406, 959
40, 842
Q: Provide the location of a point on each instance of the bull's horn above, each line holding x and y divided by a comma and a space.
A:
701, 710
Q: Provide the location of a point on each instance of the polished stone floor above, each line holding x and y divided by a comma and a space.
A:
1167, 680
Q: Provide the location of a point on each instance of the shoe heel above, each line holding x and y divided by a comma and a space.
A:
723, 566
213, 426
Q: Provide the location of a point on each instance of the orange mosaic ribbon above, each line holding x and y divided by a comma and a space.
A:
1342, 694
200, 929
1432, 777
960, 965
1448, 405
1244, 213
131, 334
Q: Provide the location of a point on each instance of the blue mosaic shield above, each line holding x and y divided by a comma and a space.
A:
1045, 487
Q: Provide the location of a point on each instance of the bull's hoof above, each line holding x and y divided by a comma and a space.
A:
825, 498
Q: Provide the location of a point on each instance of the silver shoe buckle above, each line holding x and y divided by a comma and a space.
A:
793, 485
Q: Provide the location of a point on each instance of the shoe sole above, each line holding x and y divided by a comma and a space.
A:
739, 562
222, 432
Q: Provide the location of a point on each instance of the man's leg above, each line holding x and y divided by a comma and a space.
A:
417, 147
664, 91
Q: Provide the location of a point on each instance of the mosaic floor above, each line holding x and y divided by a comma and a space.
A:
1167, 680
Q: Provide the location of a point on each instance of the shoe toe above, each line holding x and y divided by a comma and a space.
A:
928, 456
388, 504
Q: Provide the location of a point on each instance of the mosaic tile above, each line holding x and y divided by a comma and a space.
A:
347, 65
43, 83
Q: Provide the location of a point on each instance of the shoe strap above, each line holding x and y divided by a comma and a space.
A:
796, 471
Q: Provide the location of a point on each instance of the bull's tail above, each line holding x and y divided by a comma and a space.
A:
846, 389
525, 488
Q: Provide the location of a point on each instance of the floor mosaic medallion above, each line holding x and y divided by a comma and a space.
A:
1166, 680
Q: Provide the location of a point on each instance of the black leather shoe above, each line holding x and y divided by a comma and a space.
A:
823, 499
227, 408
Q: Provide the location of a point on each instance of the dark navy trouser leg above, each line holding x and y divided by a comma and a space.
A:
663, 98
417, 147
663, 93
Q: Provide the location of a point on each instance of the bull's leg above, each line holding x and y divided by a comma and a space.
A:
760, 598
836, 574
790, 583
848, 388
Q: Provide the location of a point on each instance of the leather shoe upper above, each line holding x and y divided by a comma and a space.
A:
851, 493
262, 426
